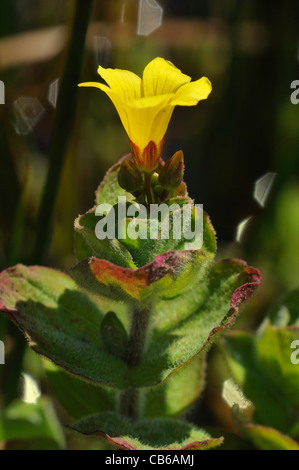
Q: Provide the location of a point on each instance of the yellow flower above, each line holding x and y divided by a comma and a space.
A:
145, 105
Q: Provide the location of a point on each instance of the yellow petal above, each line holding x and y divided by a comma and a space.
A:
114, 98
148, 119
127, 84
191, 93
151, 101
160, 76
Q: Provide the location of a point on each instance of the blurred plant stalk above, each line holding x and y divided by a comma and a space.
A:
61, 133
63, 125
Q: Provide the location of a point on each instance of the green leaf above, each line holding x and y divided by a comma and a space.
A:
79, 397
174, 396
63, 323
286, 311
128, 251
273, 356
186, 326
59, 322
157, 236
88, 245
266, 438
168, 276
146, 434
294, 432
261, 365
30, 421
270, 407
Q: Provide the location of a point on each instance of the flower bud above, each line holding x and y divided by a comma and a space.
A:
172, 172
154, 179
129, 177
159, 190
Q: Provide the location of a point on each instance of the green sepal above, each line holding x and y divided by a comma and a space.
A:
109, 190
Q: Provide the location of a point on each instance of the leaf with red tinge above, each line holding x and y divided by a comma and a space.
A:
59, 322
146, 434
186, 326
63, 324
169, 275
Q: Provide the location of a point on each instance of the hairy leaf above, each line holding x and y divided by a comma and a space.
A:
59, 321
88, 245
136, 242
79, 397
174, 396
146, 434
169, 275
186, 326
63, 324
261, 365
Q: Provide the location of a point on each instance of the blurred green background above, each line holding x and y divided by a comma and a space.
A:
248, 128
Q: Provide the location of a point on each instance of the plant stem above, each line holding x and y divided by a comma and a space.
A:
129, 399
129, 403
138, 333
148, 189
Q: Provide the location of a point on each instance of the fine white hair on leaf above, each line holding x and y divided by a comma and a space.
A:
233, 395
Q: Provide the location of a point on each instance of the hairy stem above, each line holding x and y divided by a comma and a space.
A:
129, 399
148, 189
138, 333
